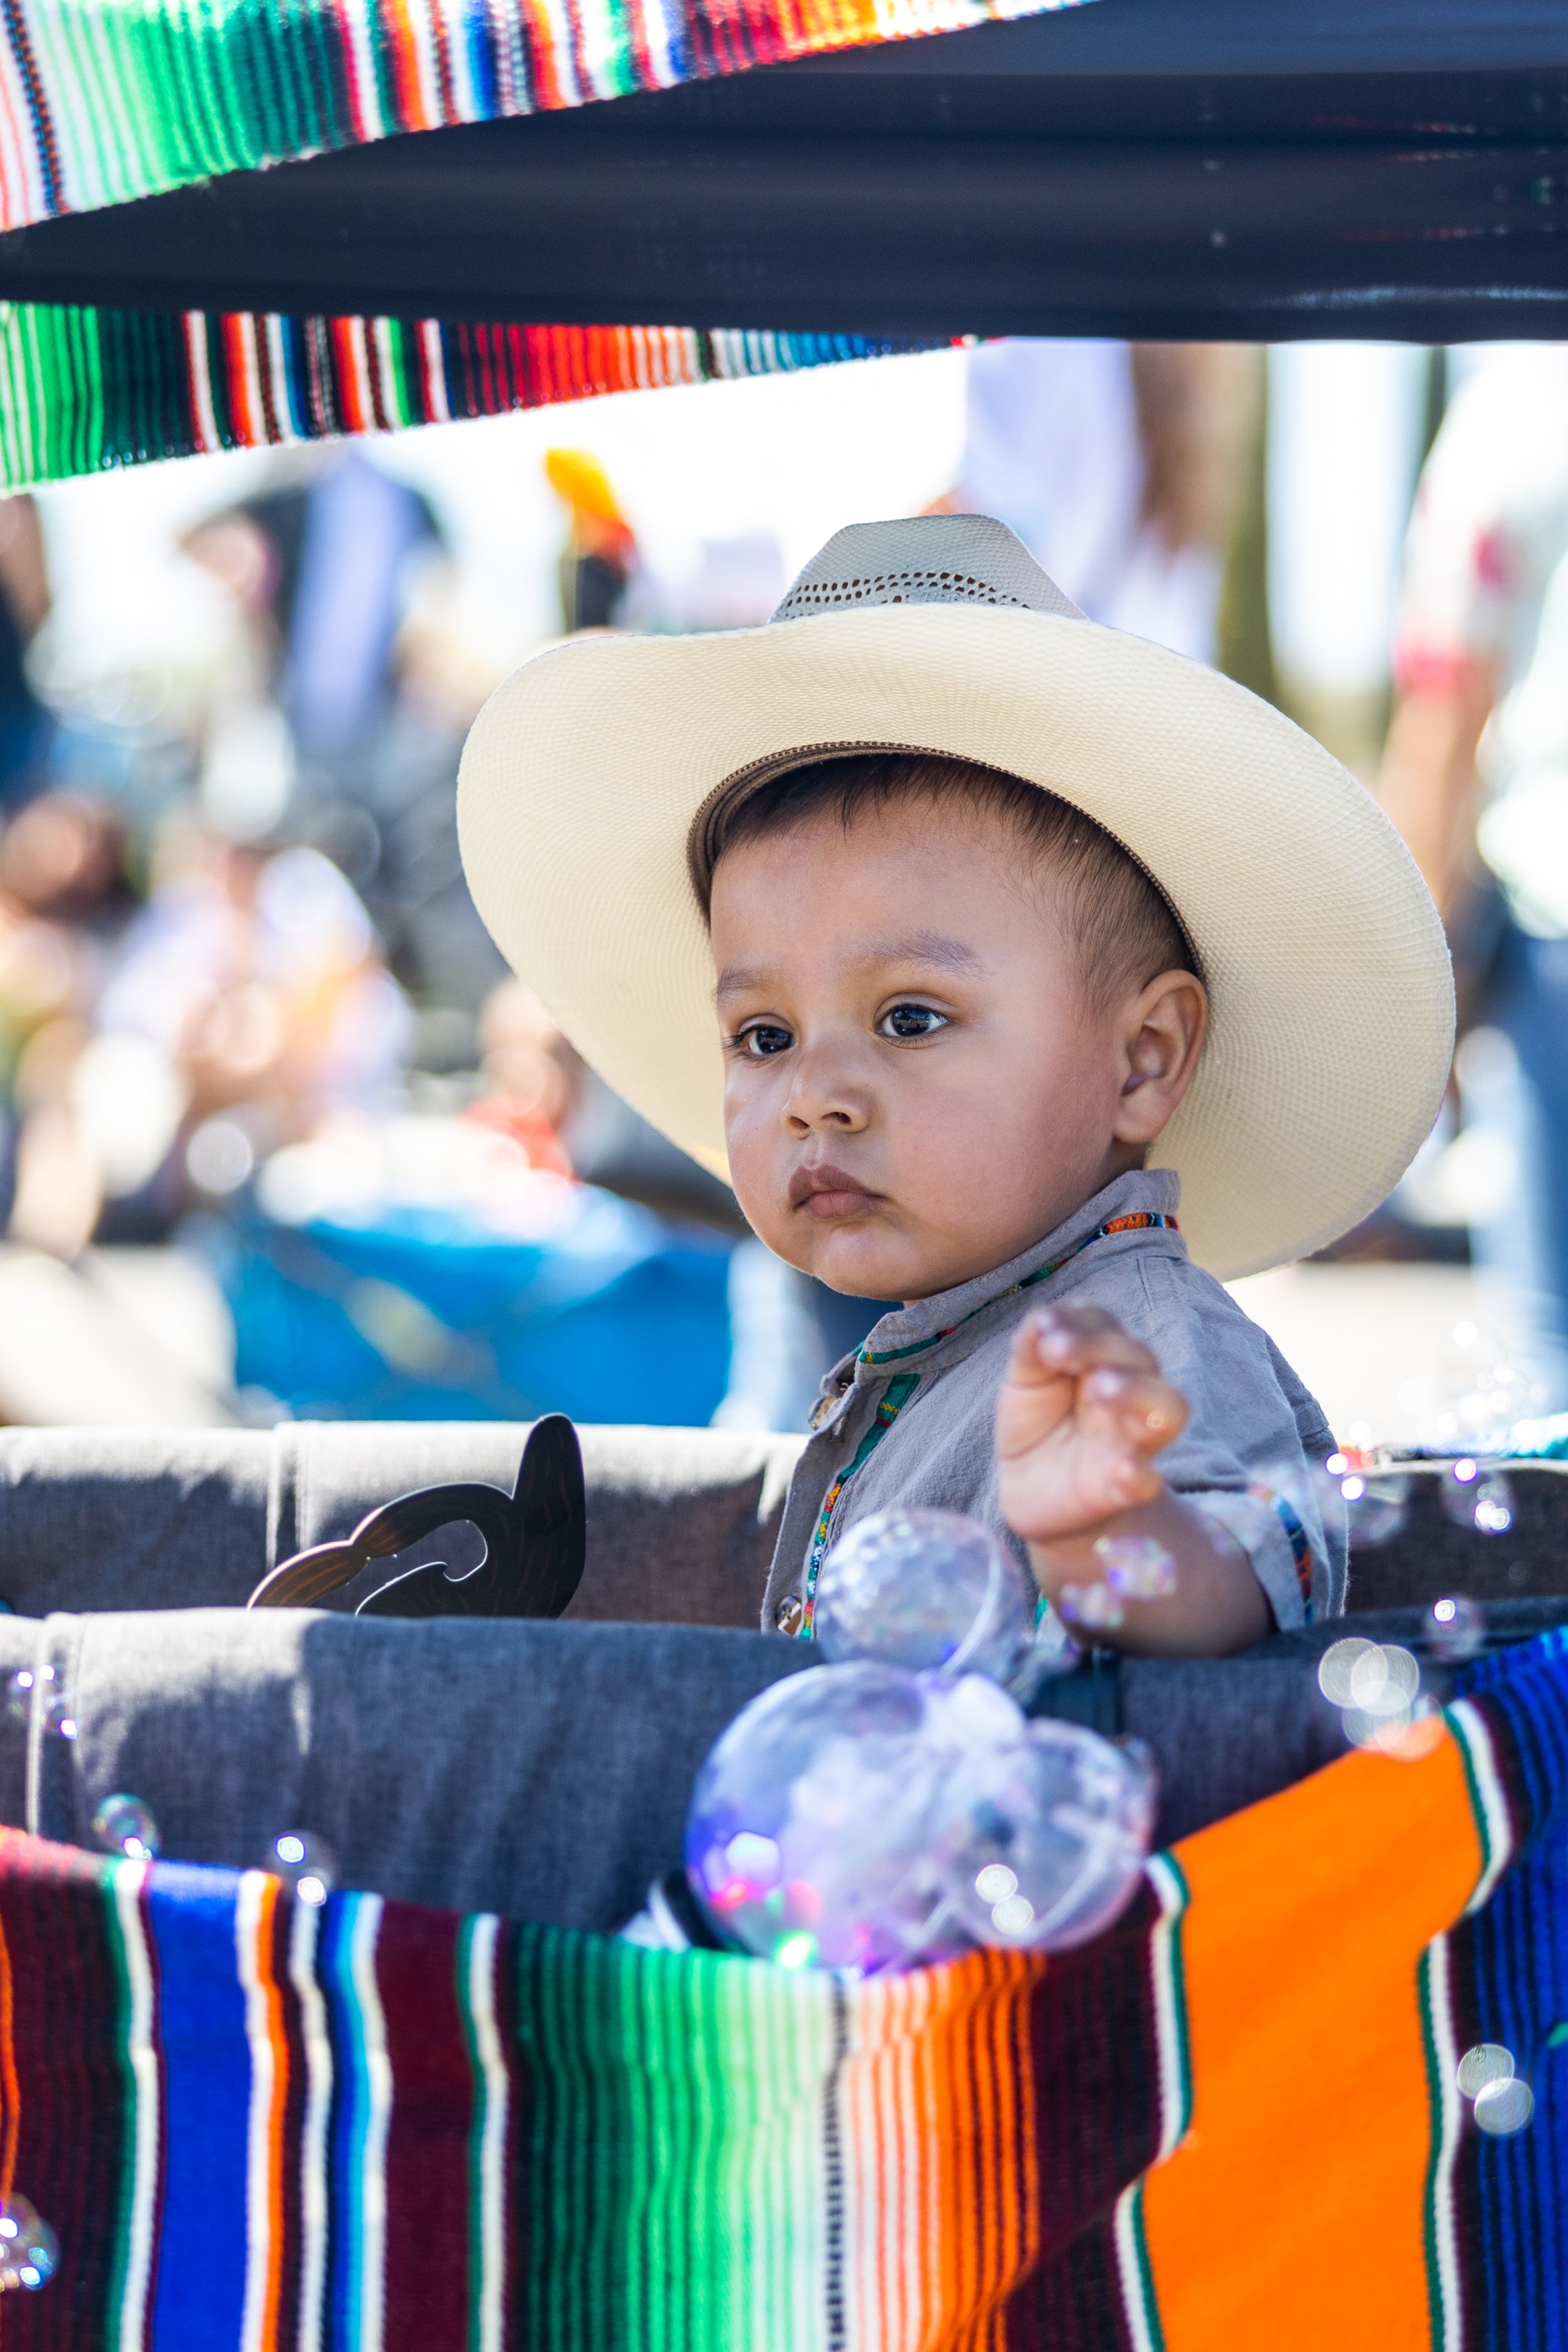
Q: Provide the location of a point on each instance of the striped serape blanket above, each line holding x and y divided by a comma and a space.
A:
1233, 2122
101, 101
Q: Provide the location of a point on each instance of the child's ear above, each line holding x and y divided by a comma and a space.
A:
1163, 1035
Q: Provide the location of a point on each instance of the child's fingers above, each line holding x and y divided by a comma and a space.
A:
1085, 1483
1137, 1408
1065, 1342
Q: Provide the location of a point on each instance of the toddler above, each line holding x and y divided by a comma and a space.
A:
1012, 925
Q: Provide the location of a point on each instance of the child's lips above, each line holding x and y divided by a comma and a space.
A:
828, 1192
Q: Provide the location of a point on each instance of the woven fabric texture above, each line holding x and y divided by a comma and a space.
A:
85, 389
100, 102
1232, 2120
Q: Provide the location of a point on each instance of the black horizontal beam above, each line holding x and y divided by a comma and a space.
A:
1181, 168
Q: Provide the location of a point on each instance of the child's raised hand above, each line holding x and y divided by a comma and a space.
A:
1082, 1410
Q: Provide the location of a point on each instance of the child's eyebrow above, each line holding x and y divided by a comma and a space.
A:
739, 981
920, 946
923, 946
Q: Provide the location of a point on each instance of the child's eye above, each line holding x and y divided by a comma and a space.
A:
764, 1039
911, 1021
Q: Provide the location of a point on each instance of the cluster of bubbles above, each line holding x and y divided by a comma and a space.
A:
29, 2250
43, 1686
1463, 1416
1502, 2100
1379, 1686
1376, 1685
306, 1864
896, 1805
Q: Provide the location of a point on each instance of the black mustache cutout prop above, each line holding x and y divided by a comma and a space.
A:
535, 1544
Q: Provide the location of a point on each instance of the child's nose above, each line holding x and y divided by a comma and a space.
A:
825, 1094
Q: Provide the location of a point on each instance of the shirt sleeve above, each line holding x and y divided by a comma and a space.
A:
1241, 1458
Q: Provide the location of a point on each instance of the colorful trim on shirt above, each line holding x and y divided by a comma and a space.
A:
1143, 1221
896, 1395
1296, 1536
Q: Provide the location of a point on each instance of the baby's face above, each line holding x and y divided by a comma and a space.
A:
916, 1089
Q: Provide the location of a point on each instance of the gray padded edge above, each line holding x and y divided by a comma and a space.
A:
538, 1770
681, 1523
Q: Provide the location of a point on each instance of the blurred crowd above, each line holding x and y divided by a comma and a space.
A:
254, 940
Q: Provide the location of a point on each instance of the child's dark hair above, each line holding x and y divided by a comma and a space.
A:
1122, 923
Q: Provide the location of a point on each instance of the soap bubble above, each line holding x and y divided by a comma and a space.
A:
861, 1818
1477, 1497
1136, 1567
29, 2250
924, 1589
1504, 2108
1065, 1816
306, 1863
1355, 1498
1489, 2062
1376, 1685
805, 1838
1369, 1500
59, 1717
1095, 1607
1337, 1665
1459, 1629
124, 1824
19, 1691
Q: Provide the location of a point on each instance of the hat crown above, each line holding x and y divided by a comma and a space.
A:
944, 559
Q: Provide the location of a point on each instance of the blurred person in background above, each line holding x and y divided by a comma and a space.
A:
25, 727
1120, 468
247, 1005
65, 900
343, 725
1476, 777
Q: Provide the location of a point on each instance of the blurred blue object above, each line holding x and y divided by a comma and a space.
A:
420, 1313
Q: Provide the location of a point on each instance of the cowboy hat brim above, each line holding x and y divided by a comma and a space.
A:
1332, 996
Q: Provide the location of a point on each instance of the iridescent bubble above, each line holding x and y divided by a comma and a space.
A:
1095, 1607
1459, 1629
307, 1863
124, 1824
1504, 2108
1385, 1680
1136, 1567
1336, 1666
925, 1589
1489, 2062
861, 1819
827, 1781
995, 1882
1473, 1497
29, 2250
19, 1691
1066, 1815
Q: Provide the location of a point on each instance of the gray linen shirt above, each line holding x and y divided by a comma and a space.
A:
909, 1419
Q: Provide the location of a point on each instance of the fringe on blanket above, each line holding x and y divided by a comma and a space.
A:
85, 389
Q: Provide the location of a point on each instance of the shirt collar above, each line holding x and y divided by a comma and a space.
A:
910, 1331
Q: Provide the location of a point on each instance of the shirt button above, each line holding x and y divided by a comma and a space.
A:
790, 1614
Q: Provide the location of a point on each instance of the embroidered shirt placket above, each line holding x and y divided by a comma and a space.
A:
902, 1387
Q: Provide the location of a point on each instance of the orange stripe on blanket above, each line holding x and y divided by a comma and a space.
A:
936, 2095
1306, 2161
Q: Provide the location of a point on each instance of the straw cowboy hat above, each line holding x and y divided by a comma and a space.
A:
587, 773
